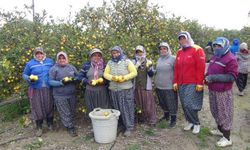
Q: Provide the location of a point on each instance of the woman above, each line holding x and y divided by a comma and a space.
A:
168, 98
61, 77
243, 59
143, 86
36, 73
189, 71
91, 75
120, 71
222, 71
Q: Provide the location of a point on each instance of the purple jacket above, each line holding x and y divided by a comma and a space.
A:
224, 65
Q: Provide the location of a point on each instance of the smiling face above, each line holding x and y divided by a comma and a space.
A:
39, 56
96, 57
163, 50
62, 60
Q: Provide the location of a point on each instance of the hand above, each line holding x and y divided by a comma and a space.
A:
67, 80
93, 82
33, 78
149, 64
199, 88
138, 63
208, 79
175, 87
121, 79
114, 78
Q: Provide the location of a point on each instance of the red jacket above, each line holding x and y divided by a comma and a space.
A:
189, 66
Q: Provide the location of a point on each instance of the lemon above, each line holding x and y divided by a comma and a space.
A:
106, 114
33, 77
93, 82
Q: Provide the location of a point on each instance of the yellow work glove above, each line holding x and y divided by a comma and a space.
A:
199, 88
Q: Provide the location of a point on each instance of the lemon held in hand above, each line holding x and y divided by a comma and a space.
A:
33, 78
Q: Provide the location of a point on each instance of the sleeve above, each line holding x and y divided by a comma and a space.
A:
176, 70
26, 72
132, 71
232, 68
200, 66
55, 83
52, 78
106, 73
82, 75
221, 78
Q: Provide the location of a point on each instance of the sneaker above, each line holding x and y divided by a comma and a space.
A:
188, 126
241, 93
39, 132
196, 129
216, 132
127, 133
223, 142
50, 127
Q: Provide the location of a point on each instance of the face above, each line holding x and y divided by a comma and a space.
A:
183, 40
39, 56
62, 60
216, 46
163, 50
96, 57
115, 54
139, 53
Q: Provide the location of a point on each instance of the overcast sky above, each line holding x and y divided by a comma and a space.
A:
213, 13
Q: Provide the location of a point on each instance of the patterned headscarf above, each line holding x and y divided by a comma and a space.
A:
188, 37
142, 49
39, 49
225, 45
96, 64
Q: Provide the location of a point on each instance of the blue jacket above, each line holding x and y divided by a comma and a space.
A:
235, 46
40, 69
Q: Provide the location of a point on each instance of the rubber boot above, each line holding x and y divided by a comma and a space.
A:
172, 121
166, 116
50, 123
39, 124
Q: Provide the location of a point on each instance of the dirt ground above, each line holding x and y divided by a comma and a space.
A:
14, 137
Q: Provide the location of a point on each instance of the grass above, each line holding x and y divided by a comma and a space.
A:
10, 112
134, 147
162, 125
203, 136
36, 144
149, 132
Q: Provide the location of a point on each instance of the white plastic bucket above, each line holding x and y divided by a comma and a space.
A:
104, 122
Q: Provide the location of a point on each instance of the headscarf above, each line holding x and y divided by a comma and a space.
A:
36, 50
188, 37
142, 49
64, 54
244, 48
235, 46
96, 64
224, 43
165, 44
120, 57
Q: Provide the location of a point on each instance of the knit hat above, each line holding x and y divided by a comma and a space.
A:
64, 54
243, 46
95, 50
